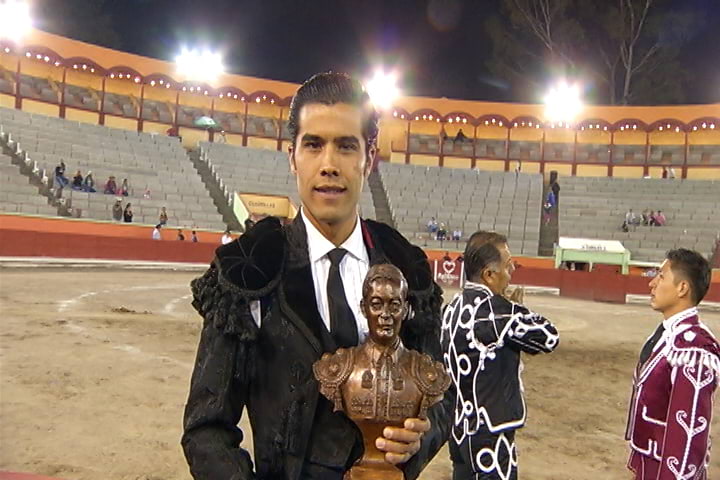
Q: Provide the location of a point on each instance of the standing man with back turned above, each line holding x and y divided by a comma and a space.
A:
483, 335
676, 377
280, 296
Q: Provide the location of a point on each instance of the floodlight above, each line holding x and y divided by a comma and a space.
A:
563, 102
383, 89
15, 19
199, 65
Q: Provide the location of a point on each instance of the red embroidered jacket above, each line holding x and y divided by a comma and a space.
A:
672, 401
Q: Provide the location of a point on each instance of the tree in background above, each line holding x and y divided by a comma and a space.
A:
629, 47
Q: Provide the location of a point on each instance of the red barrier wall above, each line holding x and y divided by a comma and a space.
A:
62, 238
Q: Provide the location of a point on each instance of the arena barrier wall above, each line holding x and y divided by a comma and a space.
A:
27, 236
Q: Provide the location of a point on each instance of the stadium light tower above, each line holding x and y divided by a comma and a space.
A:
15, 20
563, 102
199, 65
383, 89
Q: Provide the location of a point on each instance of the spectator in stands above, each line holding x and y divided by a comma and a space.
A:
442, 232
460, 137
432, 226
77, 182
652, 219
631, 218
457, 234
110, 186
551, 199
555, 187
146, 195
222, 138
156, 232
660, 219
180, 235
226, 238
124, 188
60, 180
89, 182
625, 227
117, 211
665, 172
671, 173
645, 217
163, 216
193, 237
128, 214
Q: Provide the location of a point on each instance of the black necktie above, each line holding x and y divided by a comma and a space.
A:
650, 344
342, 320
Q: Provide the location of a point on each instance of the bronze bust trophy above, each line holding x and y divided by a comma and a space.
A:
380, 383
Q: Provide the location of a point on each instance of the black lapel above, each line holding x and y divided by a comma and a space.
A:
298, 291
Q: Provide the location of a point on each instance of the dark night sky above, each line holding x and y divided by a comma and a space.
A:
440, 45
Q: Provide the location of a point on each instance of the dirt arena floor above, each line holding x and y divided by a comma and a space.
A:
95, 367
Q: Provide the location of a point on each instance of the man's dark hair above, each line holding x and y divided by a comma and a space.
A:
330, 88
693, 267
481, 251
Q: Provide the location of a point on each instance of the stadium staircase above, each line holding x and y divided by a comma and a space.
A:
379, 197
216, 193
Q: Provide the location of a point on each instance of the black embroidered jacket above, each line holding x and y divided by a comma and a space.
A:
268, 370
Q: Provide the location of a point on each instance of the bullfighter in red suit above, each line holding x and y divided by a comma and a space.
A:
676, 377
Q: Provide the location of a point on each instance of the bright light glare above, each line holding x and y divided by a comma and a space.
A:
14, 19
563, 102
383, 89
199, 65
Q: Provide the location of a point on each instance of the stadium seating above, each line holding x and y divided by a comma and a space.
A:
506, 202
595, 208
17, 194
252, 170
149, 162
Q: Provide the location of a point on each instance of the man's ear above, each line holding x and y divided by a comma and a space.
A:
683, 288
363, 308
291, 159
370, 159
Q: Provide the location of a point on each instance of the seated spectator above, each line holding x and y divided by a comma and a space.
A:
631, 218
180, 235
660, 219
163, 216
59, 179
222, 138
442, 232
77, 182
128, 214
645, 217
117, 211
124, 188
432, 225
457, 234
460, 137
193, 237
89, 182
652, 218
110, 186
625, 228
671, 173
226, 238
146, 195
156, 232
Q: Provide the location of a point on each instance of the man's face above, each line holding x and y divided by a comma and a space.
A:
385, 309
329, 161
666, 289
499, 278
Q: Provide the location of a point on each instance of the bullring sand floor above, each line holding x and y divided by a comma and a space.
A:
96, 365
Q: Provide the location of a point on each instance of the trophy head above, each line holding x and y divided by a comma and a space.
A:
384, 303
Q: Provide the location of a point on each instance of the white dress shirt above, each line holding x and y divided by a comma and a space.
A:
353, 269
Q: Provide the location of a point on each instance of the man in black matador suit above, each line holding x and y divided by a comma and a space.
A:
277, 298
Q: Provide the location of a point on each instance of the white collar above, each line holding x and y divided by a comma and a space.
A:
319, 246
478, 286
670, 323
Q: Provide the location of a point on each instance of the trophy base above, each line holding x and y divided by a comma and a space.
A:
372, 466
359, 472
